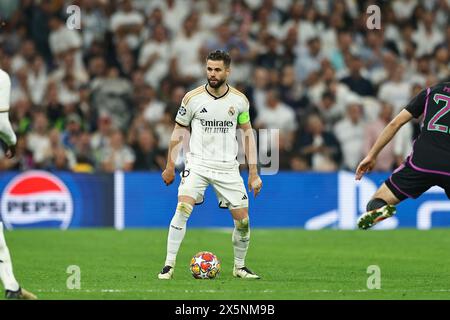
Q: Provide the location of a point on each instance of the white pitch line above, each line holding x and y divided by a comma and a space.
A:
235, 291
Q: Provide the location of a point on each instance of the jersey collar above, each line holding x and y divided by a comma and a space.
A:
216, 98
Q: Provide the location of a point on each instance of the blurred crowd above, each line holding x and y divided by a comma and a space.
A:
104, 97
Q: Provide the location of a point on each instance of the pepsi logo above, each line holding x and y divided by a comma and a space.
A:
36, 198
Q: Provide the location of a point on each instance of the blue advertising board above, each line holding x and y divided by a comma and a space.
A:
288, 199
312, 201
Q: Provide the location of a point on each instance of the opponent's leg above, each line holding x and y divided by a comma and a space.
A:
12, 288
386, 195
241, 241
177, 230
379, 208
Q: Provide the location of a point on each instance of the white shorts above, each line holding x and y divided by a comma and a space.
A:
228, 186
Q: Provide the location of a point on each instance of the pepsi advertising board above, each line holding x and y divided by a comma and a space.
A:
39, 199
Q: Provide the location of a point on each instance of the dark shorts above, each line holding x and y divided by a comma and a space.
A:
406, 182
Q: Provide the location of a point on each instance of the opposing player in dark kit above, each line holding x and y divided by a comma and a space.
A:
429, 163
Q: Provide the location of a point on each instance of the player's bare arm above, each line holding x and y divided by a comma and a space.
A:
178, 134
367, 164
254, 181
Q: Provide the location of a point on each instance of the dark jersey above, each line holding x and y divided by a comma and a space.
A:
431, 150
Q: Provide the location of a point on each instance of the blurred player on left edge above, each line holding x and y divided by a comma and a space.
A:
7, 135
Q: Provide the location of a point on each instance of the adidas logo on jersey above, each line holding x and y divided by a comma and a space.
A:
204, 110
244, 197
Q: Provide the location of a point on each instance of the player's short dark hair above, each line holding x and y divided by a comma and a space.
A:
220, 55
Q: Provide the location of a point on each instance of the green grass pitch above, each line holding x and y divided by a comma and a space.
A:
293, 264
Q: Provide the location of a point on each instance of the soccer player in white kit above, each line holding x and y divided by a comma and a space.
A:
7, 135
213, 111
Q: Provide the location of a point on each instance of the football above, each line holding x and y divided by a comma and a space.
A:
205, 265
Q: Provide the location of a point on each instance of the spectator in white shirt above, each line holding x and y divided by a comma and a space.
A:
38, 140
118, 155
67, 67
25, 55
350, 133
403, 143
174, 13
379, 74
213, 16
309, 59
127, 23
94, 22
37, 79
404, 9
186, 52
241, 67
276, 115
63, 40
329, 110
395, 91
304, 20
263, 26
153, 108
154, 57
328, 36
441, 62
320, 148
427, 36
20, 89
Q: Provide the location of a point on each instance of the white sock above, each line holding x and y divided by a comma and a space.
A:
177, 230
241, 240
6, 270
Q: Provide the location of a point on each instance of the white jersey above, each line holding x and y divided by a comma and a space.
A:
6, 132
213, 121
5, 91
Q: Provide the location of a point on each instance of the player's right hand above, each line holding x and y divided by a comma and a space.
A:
168, 176
366, 165
10, 152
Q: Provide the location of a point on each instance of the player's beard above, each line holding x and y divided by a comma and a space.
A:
216, 85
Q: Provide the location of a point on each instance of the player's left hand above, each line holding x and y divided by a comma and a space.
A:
255, 184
